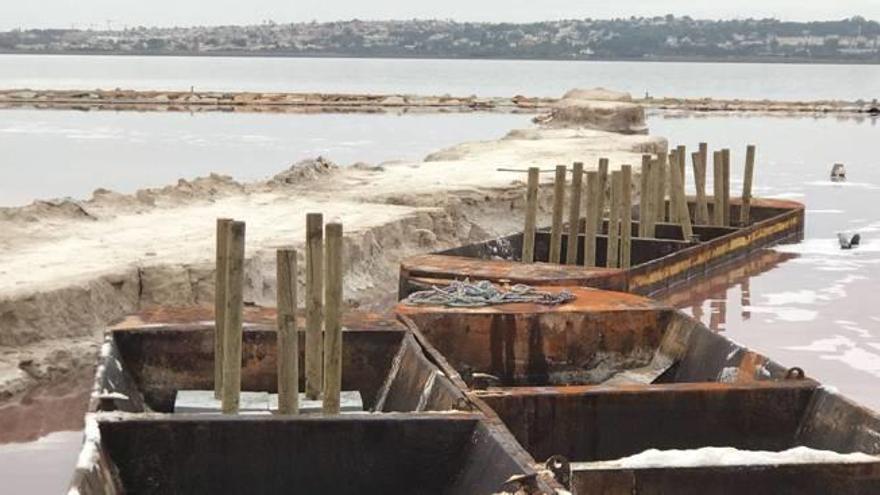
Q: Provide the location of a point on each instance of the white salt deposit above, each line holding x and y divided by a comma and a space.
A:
725, 456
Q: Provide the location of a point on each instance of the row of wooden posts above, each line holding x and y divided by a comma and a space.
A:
323, 325
663, 177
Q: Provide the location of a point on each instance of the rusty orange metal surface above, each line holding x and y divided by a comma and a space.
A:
530, 343
784, 220
352, 319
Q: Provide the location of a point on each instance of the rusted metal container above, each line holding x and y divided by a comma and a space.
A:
611, 375
656, 264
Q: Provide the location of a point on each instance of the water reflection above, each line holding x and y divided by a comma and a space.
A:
716, 290
40, 436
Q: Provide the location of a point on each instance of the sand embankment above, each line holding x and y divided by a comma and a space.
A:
207, 101
70, 267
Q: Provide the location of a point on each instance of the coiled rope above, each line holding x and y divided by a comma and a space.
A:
467, 294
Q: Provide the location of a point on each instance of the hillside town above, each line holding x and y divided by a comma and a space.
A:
637, 38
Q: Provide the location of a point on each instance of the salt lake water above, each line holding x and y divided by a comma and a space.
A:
808, 304
437, 77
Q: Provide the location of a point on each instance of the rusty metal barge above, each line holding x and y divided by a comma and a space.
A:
608, 392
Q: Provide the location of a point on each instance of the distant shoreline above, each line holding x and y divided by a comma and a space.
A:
311, 102
254, 54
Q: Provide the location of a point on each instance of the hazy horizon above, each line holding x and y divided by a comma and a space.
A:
104, 14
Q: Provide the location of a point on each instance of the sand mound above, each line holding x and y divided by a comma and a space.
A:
305, 170
598, 109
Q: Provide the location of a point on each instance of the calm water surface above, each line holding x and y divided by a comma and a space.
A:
811, 304
436, 77
807, 305
47, 154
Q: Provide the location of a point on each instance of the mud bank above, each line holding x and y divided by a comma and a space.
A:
69, 267
790, 108
198, 101
194, 101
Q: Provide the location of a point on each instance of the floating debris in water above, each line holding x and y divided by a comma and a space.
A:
838, 172
848, 241
467, 294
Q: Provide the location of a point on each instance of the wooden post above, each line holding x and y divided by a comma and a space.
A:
661, 187
683, 216
558, 206
644, 196
314, 305
592, 226
613, 256
701, 209
232, 323
287, 338
528, 249
673, 207
220, 272
574, 213
650, 170
333, 320
717, 189
625, 216
748, 174
601, 186
725, 155
682, 165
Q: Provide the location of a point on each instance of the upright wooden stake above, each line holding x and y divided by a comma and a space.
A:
683, 216
718, 189
558, 206
650, 171
613, 256
220, 301
681, 152
333, 320
704, 167
232, 325
591, 228
748, 174
701, 209
625, 216
574, 213
644, 195
288, 340
725, 155
661, 187
673, 208
528, 249
314, 305
601, 187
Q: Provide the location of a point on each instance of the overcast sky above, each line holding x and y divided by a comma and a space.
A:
120, 13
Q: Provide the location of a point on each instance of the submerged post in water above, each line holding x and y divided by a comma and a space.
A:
314, 305
613, 256
222, 262
558, 206
591, 226
625, 215
717, 189
574, 213
528, 249
333, 320
232, 325
287, 338
725, 174
748, 176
